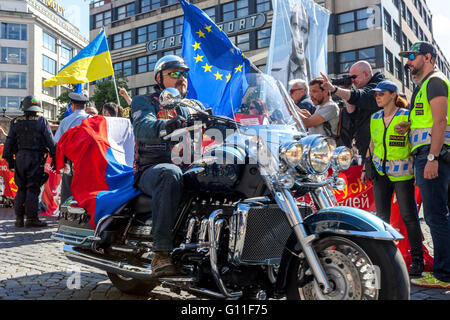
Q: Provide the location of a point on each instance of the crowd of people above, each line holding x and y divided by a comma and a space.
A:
401, 144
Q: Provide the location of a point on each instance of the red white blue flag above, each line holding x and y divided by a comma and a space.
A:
102, 152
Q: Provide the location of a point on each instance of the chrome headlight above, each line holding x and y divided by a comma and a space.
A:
317, 154
342, 158
292, 153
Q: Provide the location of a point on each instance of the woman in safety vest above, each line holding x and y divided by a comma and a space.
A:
391, 156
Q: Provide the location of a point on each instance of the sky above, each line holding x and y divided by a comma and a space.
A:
77, 12
441, 24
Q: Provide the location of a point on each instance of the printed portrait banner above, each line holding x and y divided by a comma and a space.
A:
360, 196
299, 28
49, 194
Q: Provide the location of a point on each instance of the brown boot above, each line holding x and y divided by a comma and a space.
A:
162, 265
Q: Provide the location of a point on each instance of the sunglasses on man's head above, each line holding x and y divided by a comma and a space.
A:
177, 74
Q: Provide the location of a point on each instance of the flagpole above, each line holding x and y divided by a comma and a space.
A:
113, 76
117, 92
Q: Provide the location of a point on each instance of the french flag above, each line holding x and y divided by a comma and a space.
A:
102, 152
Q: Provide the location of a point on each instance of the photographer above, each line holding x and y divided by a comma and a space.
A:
364, 80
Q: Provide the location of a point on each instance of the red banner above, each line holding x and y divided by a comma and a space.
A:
49, 193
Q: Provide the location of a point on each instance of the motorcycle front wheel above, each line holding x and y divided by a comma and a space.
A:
131, 285
357, 269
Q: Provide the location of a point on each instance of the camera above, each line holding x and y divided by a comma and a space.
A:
345, 80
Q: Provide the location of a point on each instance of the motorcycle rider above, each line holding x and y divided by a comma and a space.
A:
155, 175
29, 140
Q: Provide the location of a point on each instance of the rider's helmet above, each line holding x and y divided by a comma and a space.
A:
31, 103
167, 62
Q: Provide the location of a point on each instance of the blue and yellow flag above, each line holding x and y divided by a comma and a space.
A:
218, 69
90, 64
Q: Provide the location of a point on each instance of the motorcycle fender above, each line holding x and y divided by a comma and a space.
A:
348, 221
343, 221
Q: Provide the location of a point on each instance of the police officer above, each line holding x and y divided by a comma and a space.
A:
78, 102
430, 141
28, 142
394, 167
156, 176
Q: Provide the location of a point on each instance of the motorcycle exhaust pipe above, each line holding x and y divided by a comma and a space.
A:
122, 268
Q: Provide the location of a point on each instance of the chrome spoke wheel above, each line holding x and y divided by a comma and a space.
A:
349, 269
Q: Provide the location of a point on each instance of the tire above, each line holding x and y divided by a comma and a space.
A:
132, 286
389, 278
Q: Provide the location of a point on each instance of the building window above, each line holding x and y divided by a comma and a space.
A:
123, 67
147, 33
263, 5
389, 61
404, 42
387, 22
398, 70
147, 63
147, 5
14, 31
13, 80
263, 38
66, 52
354, 20
235, 9
11, 104
242, 41
13, 55
211, 12
48, 64
173, 26
409, 19
121, 40
397, 33
347, 59
125, 11
50, 91
102, 19
49, 42
169, 2
176, 52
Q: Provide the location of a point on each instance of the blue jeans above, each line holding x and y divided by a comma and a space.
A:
435, 199
164, 183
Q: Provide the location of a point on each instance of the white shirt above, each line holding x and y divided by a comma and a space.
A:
69, 122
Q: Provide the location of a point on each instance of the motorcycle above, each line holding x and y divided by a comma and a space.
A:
241, 233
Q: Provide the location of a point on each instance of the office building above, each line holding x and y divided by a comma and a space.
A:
141, 31
36, 40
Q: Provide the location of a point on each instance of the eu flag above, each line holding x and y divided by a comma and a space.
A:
218, 69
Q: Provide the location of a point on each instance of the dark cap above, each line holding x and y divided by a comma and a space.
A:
76, 97
420, 47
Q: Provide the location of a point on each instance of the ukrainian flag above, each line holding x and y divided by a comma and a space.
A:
90, 64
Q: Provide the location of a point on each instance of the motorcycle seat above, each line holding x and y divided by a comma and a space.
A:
142, 204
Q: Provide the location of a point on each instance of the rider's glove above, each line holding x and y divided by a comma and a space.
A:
175, 123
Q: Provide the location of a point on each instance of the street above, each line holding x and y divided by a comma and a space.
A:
33, 267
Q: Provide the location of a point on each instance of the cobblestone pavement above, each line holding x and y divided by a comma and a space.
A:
33, 267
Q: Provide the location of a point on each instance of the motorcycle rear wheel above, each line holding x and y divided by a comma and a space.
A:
357, 269
131, 285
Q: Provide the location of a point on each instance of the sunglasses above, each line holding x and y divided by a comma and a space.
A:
293, 90
379, 94
177, 74
253, 108
413, 56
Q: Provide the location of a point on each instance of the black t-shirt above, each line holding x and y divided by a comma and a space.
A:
436, 88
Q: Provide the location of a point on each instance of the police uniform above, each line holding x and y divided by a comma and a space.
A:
434, 192
28, 142
395, 172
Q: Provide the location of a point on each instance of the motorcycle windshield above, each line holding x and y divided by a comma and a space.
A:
266, 102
